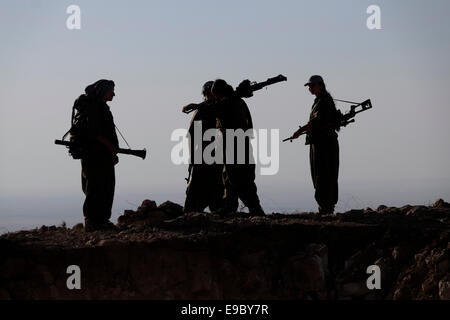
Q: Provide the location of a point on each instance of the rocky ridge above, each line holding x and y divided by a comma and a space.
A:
159, 253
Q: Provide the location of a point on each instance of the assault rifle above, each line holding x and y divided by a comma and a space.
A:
343, 120
246, 88
138, 153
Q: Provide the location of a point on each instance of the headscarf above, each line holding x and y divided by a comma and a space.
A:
206, 89
222, 87
99, 89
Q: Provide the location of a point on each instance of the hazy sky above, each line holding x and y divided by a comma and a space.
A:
160, 53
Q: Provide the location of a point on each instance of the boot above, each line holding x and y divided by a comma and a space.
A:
256, 212
108, 226
90, 226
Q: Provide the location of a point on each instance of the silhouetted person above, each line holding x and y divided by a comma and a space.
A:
233, 113
205, 188
98, 176
324, 146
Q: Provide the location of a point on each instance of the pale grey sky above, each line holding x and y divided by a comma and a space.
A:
159, 53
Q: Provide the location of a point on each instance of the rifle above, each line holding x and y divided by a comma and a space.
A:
343, 120
246, 88
138, 153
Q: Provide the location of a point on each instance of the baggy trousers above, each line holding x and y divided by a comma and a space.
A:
324, 161
98, 184
205, 188
241, 180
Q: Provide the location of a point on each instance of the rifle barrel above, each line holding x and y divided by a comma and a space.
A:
137, 153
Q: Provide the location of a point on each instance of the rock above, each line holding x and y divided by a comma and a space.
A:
444, 290
441, 204
78, 227
130, 217
148, 205
420, 257
129, 213
417, 211
429, 285
91, 242
355, 212
401, 253
147, 209
123, 220
172, 209
152, 217
156, 218
381, 208
190, 220
405, 208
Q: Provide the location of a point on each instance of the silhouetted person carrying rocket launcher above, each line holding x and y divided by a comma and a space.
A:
93, 140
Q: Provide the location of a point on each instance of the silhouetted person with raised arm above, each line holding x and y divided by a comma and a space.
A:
324, 147
233, 114
205, 188
98, 175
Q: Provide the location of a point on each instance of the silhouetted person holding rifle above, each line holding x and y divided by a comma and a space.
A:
233, 114
205, 183
324, 147
98, 176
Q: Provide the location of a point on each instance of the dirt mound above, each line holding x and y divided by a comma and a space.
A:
159, 253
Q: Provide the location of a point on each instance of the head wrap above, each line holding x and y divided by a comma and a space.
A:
99, 89
206, 90
222, 87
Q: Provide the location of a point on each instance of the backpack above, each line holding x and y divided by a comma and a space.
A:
79, 128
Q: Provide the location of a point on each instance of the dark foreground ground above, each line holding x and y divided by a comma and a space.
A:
158, 253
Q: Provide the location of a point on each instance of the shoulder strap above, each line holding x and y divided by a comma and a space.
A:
71, 124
